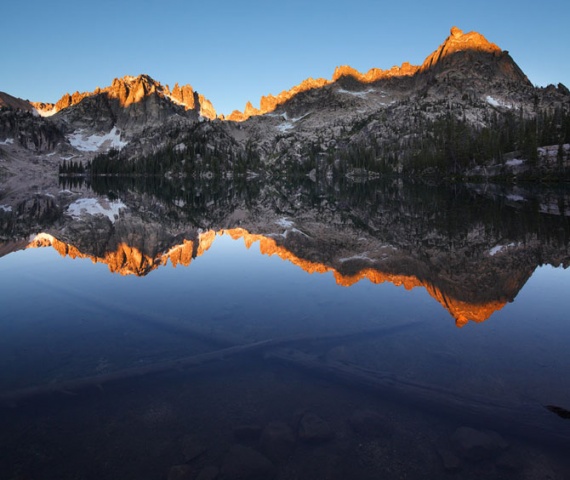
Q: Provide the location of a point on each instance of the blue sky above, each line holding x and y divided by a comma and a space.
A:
235, 51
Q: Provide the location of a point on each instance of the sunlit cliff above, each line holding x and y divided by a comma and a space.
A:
129, 90
456, 42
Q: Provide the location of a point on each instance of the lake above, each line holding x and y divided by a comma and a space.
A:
288, 330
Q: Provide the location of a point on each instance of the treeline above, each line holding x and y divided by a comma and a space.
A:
190, 197
74, 168
452, 145
448, 145
196, 153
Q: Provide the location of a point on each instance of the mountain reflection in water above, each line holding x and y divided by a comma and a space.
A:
127, 260
471, 249
189, 372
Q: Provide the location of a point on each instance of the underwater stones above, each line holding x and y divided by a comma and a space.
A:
208, 473
369, 423
314, 429
509, 462
244, 463
277, 441
247, 433
181, 472
451, 462
191, 448
476, 445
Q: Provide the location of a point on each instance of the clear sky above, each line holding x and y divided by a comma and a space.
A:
235, 51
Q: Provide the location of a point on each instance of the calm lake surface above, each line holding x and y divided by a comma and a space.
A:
366, 330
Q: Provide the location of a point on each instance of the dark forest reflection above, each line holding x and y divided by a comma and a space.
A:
472, 247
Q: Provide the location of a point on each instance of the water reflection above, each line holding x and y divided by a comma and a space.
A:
183, 372
472, 247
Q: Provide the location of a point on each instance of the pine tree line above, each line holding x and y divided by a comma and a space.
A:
448, 145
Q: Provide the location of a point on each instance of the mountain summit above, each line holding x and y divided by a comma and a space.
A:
460, 42
129, 90
468, 48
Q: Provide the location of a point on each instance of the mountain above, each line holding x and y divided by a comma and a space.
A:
131, 90
468, 109
458, 51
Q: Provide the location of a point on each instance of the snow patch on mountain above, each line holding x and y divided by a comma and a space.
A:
499, 248
6, 208
94, 206
93, 143
497, 103
8, 141
288, 125
285, 127
46, 113
357, 94
516, 198
363, 256
284, 222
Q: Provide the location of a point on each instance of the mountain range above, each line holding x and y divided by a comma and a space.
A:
467, 109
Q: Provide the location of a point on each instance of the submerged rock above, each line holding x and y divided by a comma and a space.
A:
181, 472
509, 462
208, 473
313, 428
191, 448
369, 423
450, 460
244, 463
277, 441
247, 433
476, 445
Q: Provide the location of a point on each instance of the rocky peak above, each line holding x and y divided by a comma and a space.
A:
183, 95
374, 74
457, 42
206, 107
129, 90
270, 102
471, 53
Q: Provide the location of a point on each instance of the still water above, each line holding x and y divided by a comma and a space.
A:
366, 331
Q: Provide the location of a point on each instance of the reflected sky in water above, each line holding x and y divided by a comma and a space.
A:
57, 306
64, 318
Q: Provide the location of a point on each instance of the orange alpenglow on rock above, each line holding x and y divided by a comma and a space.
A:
126, 260
461, 311
457, 41
130, 90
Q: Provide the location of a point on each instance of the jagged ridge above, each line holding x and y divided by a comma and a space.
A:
129, 90
455, 43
